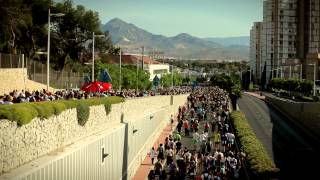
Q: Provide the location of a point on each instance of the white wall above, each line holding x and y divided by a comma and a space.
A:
58, 148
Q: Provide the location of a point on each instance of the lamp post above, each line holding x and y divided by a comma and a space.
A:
48, 45
93, 36
120, 71
172, 76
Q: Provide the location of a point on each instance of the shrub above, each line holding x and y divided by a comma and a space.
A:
45, 109
58, 107
292, 85
107, 107
258, 160
83, 112
23, 113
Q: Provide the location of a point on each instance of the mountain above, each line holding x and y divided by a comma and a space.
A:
131, 38
229, 41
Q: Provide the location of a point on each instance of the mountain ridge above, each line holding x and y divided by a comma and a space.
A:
131, 38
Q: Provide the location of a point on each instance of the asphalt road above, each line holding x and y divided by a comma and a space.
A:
296, 154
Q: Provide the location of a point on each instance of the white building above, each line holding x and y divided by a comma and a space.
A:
156, 70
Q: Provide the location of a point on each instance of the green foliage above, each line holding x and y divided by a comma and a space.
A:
83, 112
259, 162
129, 76
58, 107
44, 109
24, 30
291, 85
228, 83
23, 113
166, 80
107, 107
189, 79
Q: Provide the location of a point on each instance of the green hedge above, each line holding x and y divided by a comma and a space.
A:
258, 160
292, 85
23, 113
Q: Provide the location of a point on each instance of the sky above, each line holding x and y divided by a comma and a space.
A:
201, 18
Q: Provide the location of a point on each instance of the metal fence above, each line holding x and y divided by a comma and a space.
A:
63, 79
11, 60
37, 71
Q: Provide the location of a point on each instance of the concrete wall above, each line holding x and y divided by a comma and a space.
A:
304, 114
52, 145
16, 78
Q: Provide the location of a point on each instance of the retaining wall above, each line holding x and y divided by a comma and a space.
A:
45, 148
304, 114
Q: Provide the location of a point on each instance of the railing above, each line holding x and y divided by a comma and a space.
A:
11, 60
37, 71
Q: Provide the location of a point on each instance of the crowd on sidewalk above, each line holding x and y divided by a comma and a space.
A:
72, 94
211, 153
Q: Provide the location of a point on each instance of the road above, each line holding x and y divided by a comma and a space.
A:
296, 154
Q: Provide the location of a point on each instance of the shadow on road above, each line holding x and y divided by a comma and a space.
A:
296, 154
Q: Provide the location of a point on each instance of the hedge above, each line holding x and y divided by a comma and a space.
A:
258, 160
292, 85
23, 113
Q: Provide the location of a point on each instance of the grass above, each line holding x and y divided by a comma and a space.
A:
258, 160
23, 113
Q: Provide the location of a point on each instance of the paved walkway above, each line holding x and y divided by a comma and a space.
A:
256, 94
146, 166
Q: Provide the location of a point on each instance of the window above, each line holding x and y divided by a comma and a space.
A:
291, 5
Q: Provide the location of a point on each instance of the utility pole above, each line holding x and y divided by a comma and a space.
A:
120, 71
137, 75
142, 57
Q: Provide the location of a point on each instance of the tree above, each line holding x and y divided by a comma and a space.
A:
231, 84
129, 76
72, 33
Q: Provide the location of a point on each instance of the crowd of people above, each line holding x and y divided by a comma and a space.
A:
203, 143
72, 94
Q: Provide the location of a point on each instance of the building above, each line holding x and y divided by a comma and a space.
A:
156, 70
290, 38
255, 51
145, 62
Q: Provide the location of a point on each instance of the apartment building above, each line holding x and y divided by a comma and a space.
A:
290, 38
255, 51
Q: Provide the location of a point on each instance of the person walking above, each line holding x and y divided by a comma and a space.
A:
186, 127
217, 139
152, 155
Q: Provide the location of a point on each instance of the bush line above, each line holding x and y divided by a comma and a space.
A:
258, 160
23, 113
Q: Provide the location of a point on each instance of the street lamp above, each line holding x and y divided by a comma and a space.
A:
93, 36
120, 71
314, 78
48, 48
172, 76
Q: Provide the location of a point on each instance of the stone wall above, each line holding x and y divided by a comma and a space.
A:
20, 145
16, 78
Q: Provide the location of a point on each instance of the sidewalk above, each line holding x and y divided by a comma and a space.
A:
146, 166
256, 94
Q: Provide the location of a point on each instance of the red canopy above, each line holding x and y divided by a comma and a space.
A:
96, 86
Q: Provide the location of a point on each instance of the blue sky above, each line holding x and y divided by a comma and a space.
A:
202, 18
